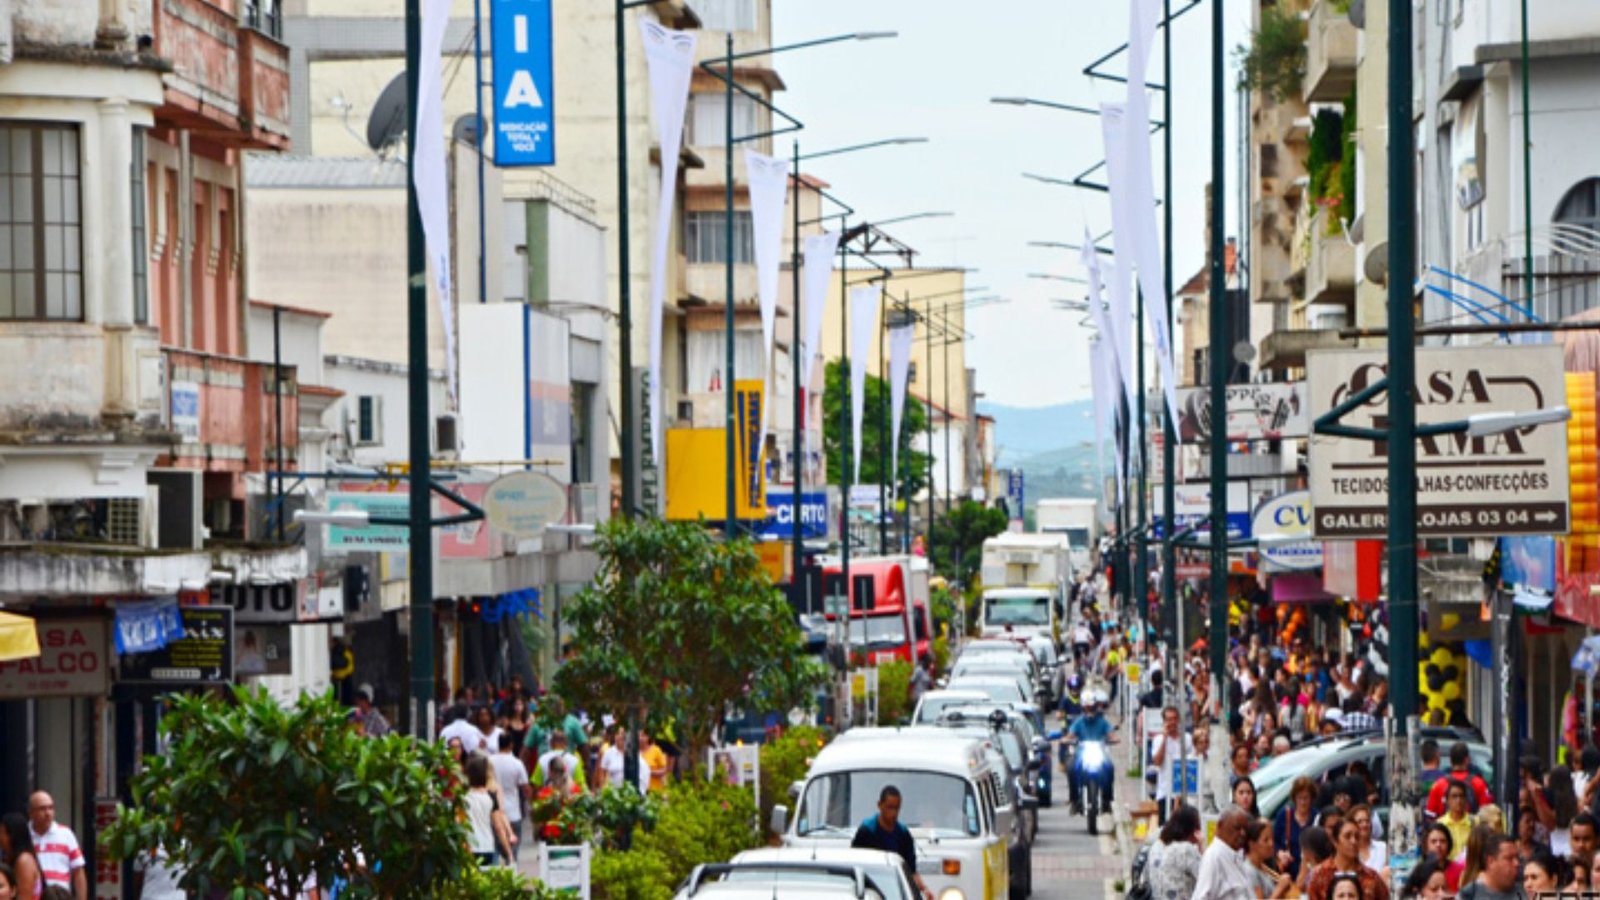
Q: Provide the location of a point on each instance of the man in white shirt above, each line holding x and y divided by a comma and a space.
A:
1224, 873
558, 747
612, 761
512, 776
471, 738
61, 862
1167, 751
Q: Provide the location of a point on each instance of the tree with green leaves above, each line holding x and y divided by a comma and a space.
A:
255, 800
958, 538
914, 465
681, 625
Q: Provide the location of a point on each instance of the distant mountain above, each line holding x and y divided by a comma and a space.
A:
1026, 431
1052, 445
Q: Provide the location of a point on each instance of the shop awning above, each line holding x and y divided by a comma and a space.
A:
18, 638
1299, 587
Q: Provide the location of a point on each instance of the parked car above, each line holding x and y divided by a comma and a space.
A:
1327, 761
997, 687
935, 702
884, 874
1038, 742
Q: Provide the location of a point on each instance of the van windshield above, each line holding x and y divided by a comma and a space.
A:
878, 631
1017, 610
931, 802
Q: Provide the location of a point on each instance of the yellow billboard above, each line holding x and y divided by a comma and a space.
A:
697, 470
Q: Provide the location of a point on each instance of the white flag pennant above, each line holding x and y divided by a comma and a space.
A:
1144, 18
863, 326
815, 274
769, 181
900, 338
669, 56
427, 172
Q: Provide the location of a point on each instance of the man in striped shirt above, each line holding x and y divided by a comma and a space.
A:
60, 858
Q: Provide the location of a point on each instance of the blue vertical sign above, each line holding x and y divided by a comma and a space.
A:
524, 84
1014, 493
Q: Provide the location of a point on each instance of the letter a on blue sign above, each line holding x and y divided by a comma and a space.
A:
524, 85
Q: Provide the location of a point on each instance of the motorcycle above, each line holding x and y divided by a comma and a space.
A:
1092, 765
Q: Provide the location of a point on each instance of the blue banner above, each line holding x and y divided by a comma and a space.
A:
524, 84
1238, 525
147, 626
780, 514
1529, 562
1015, 493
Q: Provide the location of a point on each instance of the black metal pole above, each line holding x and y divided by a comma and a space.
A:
277, 401
795, 363
1402, 365
927, 391
1169, 467
732, 519
844, 417
477, 102
420, 443
949, 421
1219, 377
625, 284
1141, 562
883, 446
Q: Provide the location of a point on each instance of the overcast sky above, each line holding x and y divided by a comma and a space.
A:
935, 81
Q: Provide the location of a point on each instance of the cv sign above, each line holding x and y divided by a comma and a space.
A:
1277, 523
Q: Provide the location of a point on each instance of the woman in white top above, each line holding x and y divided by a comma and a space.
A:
1374, 853
480, 810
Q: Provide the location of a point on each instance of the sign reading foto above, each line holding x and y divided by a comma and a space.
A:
1513, 482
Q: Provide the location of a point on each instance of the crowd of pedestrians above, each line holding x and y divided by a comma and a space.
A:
1327, 839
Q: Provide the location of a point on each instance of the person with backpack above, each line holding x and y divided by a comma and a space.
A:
1460, 770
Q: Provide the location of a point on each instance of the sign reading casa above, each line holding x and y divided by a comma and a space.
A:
524, 87
1514, 482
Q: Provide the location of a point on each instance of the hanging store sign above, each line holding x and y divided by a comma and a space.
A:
73, 661
204, 655
1282, 528
523, 504
1256, 412
1514, 482
779, 523
524, 85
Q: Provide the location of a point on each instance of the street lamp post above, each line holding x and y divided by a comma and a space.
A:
729, 141
794, 354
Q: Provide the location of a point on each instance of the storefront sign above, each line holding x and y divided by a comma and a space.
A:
1193, 505
203, 656
749, 400
262, 650
524, 86
72, 662
1256, 412
1513, 482
369, 538
780, 514
1277, 523
146, 625
522, 504
263, 603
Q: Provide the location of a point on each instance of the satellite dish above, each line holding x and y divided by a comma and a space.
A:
466, 130
1244, 352
386, 125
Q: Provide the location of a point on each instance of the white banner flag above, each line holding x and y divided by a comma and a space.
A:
669, 56
900, 338
815, 274
427, 172
1116, 348
769, 180
863, 327
1144, 17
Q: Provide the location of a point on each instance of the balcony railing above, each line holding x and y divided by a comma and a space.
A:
1330, 263
1331, 42
225, 73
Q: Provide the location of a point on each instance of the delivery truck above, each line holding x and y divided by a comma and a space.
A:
1026, 580
1078, 519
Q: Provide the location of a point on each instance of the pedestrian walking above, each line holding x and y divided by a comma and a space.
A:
515, 791
60, 858
1224, 874
17, 844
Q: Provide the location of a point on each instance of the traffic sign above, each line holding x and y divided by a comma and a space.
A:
1514, 482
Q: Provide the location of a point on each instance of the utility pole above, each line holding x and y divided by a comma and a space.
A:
1402, 375
1219, 377
1169, 466
420, 526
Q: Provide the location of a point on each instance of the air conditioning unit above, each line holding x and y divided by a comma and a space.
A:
686, 411
446, 435
124, 524
179, 497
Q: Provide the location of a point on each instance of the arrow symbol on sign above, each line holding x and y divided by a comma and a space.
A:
1546, 516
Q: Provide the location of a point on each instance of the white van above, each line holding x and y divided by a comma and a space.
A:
954, 800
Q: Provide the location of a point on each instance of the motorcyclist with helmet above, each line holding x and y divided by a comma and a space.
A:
1071, 707
1091, 726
